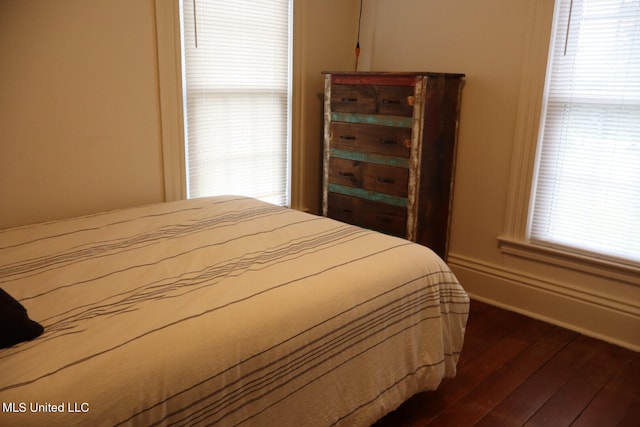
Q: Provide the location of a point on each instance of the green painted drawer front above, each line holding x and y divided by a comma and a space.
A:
393, 141
379, 159
388, 180
373, 99
368, 195
373, 119
369, 214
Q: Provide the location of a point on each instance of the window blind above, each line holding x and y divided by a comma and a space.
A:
587, 188
237, 97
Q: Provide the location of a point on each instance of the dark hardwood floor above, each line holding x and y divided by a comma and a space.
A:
516, 371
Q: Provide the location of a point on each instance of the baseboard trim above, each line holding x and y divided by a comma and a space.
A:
597, 315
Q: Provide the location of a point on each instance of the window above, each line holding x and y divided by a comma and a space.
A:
586, 192
237, 97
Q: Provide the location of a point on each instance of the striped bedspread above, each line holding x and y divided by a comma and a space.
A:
222, 311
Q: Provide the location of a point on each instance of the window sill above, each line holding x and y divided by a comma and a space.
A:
609, 269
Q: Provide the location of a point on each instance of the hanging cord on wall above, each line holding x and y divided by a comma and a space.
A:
566, 38
195, 23
358, 41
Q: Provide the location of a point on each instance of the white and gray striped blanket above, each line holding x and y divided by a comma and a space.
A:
222, 311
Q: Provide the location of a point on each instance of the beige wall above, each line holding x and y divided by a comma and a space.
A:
491, 42
79, 116
80, 126
325, 34
80, 121
484, 40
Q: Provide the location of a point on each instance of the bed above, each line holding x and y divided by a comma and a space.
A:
222, 311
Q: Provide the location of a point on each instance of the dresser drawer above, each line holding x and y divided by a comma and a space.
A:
392, 141
388, 155
369, 214
369, 176
371, 99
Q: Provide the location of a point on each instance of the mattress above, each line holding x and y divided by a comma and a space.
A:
223, 311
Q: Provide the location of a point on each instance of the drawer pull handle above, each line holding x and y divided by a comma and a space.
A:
346, 210
386, 180
383, 218
390, 101
345, 173
388, 141
349, 99
348, 137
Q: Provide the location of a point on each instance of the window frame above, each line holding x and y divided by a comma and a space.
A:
514, 239
258, 162
170, 85
169, 40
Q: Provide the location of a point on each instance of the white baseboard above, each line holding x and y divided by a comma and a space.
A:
597, 315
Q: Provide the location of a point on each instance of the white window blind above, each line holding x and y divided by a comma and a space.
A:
587, 188
237, 96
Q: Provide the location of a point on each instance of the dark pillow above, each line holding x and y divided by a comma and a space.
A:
15, 325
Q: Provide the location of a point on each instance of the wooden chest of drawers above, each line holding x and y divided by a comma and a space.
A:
389, 152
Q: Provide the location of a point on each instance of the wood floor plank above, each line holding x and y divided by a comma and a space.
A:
566, 405
531, 395
516, 371
481, 400
518, 335
631, 417
484, 329
616, 398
